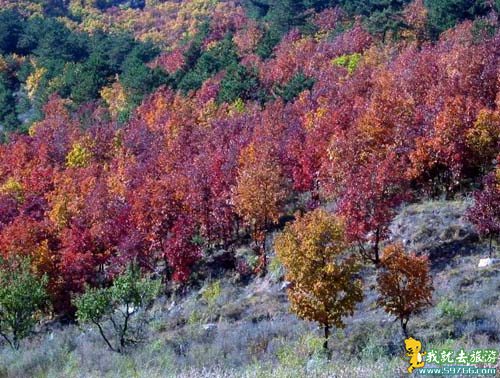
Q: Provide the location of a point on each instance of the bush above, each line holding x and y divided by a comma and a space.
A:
123, 304
350, 62
22, 296
212, 293
450, 309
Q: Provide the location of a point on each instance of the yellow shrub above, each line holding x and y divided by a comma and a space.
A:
78, 157
14, 188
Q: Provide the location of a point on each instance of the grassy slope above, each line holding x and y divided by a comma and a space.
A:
231, 329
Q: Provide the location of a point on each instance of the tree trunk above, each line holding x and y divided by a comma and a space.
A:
376, 250
8, 340
404, 322
327, 335
101, 331
491, 251
263, 258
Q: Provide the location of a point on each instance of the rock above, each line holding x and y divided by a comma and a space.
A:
483, 263
285, 285
209, 327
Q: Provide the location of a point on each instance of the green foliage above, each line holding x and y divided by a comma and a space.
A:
22, 296
281, 17
210, 62
11, 25
239, 105
285, 14
195, 317
296, 354
483, 29
52, 43
239, 83
444, 14
276, 269
104, 4
13, 188
450, 309
123, 304
138, 79
78, 157
75, 65
295, 86
380, 16
266, 45
8, 119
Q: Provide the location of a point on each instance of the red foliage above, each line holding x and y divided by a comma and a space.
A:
368, 203
180, 250
407, 115
485, 214
171, 61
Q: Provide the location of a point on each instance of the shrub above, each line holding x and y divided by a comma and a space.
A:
78, 157
124, 304
485, 214
22, 297
212, 293
450, 309
350, 62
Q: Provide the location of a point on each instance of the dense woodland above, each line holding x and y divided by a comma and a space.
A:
155, 132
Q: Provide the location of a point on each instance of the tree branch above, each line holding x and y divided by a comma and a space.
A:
101, 331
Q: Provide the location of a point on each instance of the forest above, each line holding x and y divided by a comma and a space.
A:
138, 138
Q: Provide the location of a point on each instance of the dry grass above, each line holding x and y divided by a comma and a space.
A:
246, 330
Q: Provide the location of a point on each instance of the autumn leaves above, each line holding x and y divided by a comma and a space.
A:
323, 271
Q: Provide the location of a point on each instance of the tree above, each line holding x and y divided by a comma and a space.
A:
103, 4
368, 204
8, 120
259, 194
202, 67
324, 286
415, 17
123, 305
22, 296
11, 25
485, 214
484, 136
295, 86
180, 250
404, 283
444, 14
239, 82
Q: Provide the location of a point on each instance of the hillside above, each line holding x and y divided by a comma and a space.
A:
233, 328
236, 188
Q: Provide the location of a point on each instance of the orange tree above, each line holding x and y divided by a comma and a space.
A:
404, 283
323, 281
260, 194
